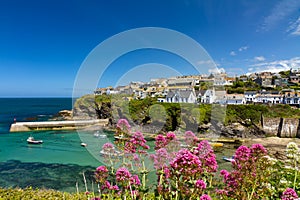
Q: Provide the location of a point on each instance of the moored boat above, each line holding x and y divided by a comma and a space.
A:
228, 159
31, 140
83, 144
98, 135
110, 154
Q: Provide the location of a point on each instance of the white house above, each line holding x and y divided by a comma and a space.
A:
292, 98
250, 96
208, 97
181, 96
269, 97
235, 99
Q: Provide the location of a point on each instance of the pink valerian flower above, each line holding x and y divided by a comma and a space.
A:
185, 164
160, 158
108, 187
123, 175
102, 169
205, 197
108, 148
170, 136
242, 154
189, 137
134, 180
206, 156
257, 151
160, 141
101, 174
137, 141
289, 194
249, 167
225, 174
200, 184
123, 126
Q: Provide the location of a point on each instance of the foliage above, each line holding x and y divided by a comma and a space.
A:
38, 194
245, 114
173, 116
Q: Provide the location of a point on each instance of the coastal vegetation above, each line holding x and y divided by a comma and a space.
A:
174, 116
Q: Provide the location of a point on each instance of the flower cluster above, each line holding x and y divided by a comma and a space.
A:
122, 176
137, 141
206, 156
164, 141
190, 139
123, 125
123, 129
160, 158
183, 175
101, 174
289, 194
249, 177
188, 173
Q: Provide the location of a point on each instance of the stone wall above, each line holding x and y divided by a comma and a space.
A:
281, 127
289, 128
271, 126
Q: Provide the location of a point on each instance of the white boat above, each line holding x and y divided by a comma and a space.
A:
31, 140
113, 154
83, 144
228, 159
98, 135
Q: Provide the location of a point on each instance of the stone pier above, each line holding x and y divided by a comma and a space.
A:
56, 125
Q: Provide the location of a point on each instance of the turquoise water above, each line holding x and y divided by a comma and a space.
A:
58, 163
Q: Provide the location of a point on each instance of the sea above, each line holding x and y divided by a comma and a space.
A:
60, 163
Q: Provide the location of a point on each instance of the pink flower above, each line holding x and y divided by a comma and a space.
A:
170, 136
206, 156
123, 125
200, 184
108, 148
134, 180
289, 194
205, 197
224, 173
186, 164
189, 137
136, 143
123, 175
101, 174
242, 153
160, 158
115, 187
102, 169
160, 141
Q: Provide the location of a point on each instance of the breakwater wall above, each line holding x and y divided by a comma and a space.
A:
56, 125
281, 127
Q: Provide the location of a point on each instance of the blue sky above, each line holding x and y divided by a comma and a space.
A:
44, 43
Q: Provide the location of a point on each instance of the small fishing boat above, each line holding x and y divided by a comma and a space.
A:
98, 135
228, 159
83, 144
112, 154
31, 140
